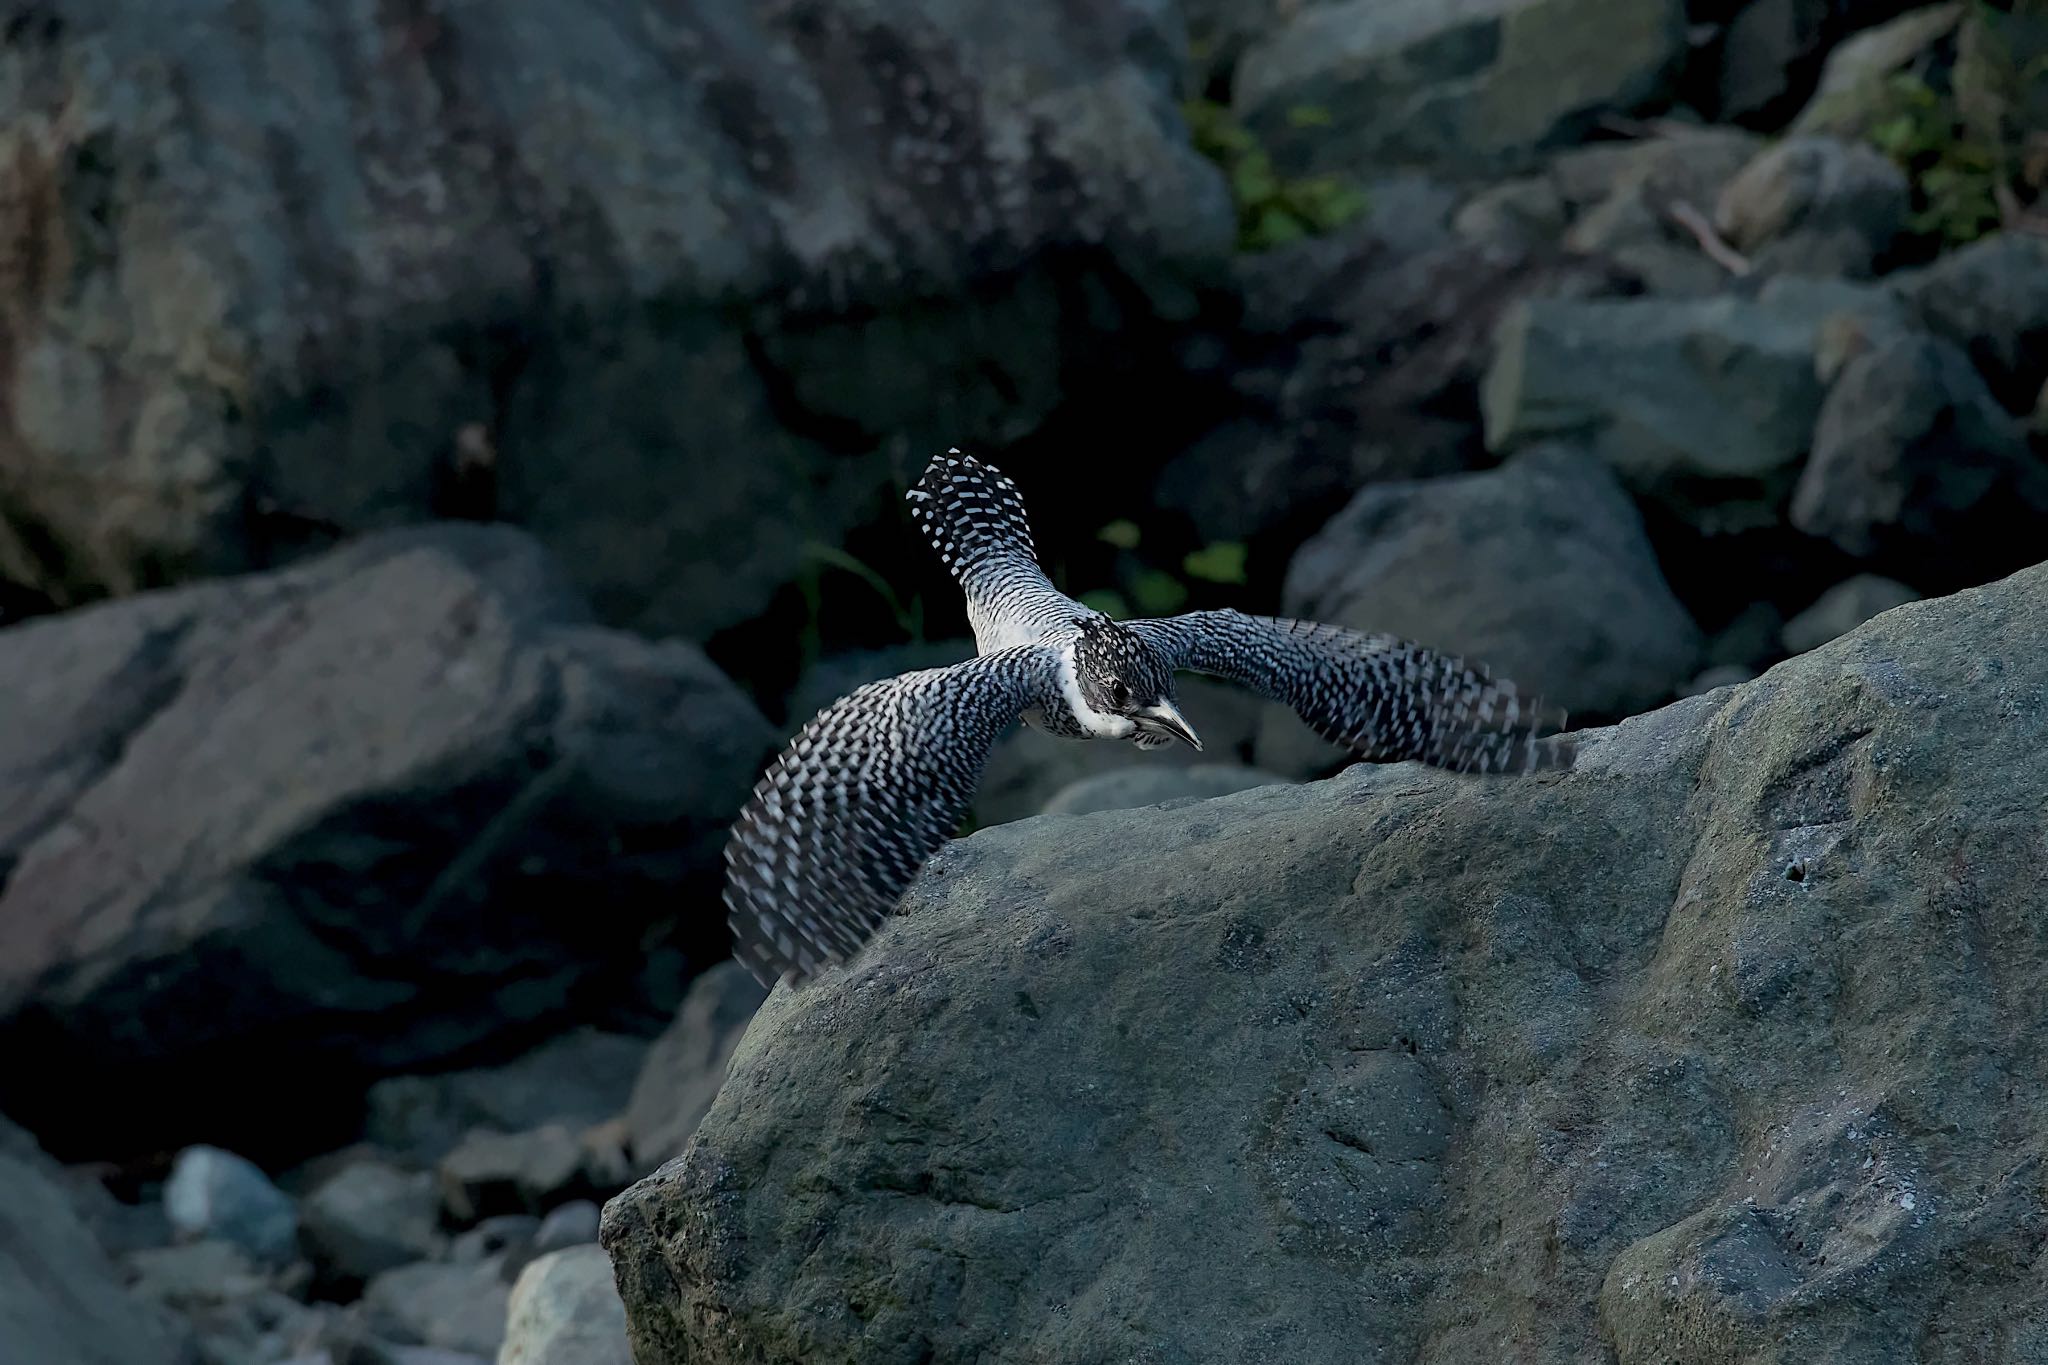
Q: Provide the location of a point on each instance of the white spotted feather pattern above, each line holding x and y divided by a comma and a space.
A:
876, 782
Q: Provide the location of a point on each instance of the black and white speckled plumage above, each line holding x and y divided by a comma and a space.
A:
842, 821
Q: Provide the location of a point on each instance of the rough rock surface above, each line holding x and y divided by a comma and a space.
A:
687, 1063
651, 281
61, 1300
1704, 404
565, 1311
1140, 784
453, 1307
582, 1077
1720, 1048
1467, 85
1816, 206
1357, 346
1539, 568
1914, 462
1991, 298
353, 810
370, 1216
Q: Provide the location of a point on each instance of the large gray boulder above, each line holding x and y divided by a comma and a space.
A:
1540, 569
366, 813
1706, 405
61, 1299
656, 283
1713, 1049
1816, 206
1914, 462
1142, 784
1465, 87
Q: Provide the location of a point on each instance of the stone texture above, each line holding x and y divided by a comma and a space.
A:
1462, 86
687, 1063
219, 1196
352, 812
1991, 298
1143, 785
580, 1078
1354, 364
370, 1216
657, 284
1539, 569
1627, 194
1915, 463
1816, 206
1764, 42
1716, 1049
566, 1311
1842, 608
1852, 97
493, 1173
61, 1300
235, 1310
1706, 405
450, 1306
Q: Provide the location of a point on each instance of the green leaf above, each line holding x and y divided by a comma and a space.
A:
1122, 533
1108, 601
1158, 593
1309, 116
1222, 562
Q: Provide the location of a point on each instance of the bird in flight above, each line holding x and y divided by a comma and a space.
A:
876, 782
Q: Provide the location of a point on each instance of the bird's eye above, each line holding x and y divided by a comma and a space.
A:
1119, 695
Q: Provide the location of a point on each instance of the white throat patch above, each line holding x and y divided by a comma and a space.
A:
1097, 724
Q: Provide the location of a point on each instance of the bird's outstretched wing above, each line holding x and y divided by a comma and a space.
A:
843, 819
974, 517
1384, 697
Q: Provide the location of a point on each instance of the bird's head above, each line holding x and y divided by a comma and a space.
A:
1120, 674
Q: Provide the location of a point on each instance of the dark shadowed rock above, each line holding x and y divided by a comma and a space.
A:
237, 1313
656, 284
580, 1078
450, 1306
686, 1065
1364, 351
1855, 93
1143, 785
1915, 462
1991, 298
61, 1300
1540, 569
1462, 87
1816, 206
1714, 1049
1842, 608
357, 813
368, 1217
1625, 195
495, 1173
565, 1311
1705, 404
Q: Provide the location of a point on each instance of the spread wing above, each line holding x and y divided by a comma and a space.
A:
1384, 697
843, 819
974, 517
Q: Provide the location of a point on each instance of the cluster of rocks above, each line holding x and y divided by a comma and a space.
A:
1718, 1048
386, 854
460, 1228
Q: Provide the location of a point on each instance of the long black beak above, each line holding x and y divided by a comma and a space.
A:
1165, 716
